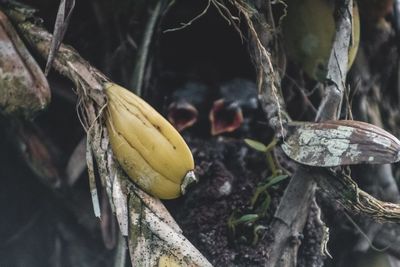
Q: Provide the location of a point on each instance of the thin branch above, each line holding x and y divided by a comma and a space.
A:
187, 24
138, 73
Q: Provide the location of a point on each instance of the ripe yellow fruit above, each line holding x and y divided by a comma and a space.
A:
309, 30
147, 146
168, 261
355, 36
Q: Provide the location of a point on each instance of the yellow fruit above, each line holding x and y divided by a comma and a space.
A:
147, 146
355, 41
309, 31
168, 261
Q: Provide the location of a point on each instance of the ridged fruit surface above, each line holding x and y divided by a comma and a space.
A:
146, 145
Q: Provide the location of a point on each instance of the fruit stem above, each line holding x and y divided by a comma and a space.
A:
190, 177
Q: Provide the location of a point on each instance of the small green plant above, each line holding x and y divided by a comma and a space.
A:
262, 192
267, 149
261, 199
247, 219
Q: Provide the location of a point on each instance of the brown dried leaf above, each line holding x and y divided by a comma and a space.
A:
76, 163
151, 240
37, 152
63, 15
344, 142
23, 87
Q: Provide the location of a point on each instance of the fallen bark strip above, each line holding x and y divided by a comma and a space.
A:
161, 236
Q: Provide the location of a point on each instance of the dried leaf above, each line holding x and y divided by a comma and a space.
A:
23, 87
174, 243
60, 27
38, 152
108, 223
121, 204
335, 143
76, 163
92, 180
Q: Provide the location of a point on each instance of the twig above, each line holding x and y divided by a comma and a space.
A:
337, 67
290, 218
342, 188
187, 24
389, 237
138, 73
316, 235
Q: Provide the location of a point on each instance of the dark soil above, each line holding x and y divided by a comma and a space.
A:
205, 212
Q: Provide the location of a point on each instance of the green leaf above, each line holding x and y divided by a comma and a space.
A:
259, 190
232, 223
276, 179
256, 145
256, 231
262, 188
248, 218
265, 205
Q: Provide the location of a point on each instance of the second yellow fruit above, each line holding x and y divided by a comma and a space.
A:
309, 31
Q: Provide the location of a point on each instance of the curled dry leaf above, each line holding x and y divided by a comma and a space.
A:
23, 87
343, 142
37, 152
63, 15
153, 242
76, 163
